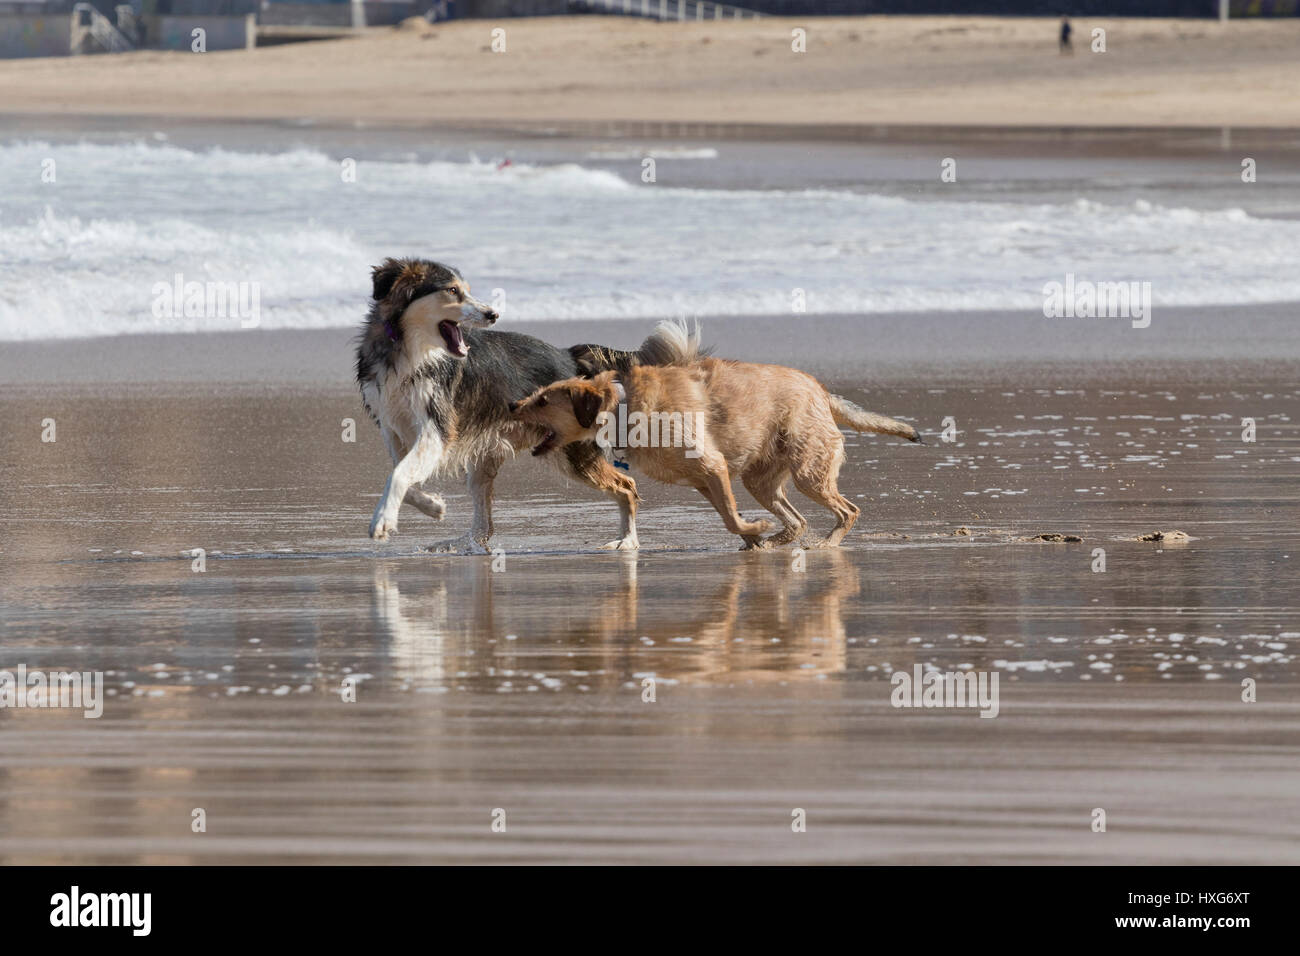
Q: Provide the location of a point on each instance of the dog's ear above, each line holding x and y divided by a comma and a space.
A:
384, 275
586, 405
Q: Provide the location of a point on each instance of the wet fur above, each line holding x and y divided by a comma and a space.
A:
767, 423
441, 414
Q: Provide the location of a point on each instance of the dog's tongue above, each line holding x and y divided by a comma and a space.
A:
451, 335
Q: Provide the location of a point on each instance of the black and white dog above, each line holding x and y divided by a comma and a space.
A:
439, 386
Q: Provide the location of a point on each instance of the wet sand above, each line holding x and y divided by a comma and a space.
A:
521, 689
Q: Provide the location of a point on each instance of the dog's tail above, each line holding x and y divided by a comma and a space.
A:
859, 419
671, 343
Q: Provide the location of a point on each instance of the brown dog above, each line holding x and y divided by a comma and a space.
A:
699, 421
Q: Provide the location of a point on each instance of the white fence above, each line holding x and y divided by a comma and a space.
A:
674, 9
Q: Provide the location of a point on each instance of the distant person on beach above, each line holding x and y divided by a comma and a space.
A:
1066, 48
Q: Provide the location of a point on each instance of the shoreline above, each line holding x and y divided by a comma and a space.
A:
1102, 140
1211, 343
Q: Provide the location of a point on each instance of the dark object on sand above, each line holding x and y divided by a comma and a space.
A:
1056, 536
1165, 536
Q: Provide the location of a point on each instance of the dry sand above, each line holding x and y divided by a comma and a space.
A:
866, 70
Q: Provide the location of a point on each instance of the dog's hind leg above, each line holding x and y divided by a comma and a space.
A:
818, 478
586, 463
482, 474
432, 505
767, 487
414, 467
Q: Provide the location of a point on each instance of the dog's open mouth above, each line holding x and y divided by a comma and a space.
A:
451, 335
547, 444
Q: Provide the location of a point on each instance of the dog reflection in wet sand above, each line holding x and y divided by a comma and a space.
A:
765, 423
759, 620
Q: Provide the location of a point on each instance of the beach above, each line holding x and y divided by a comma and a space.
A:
1104, 516
520, 688
982, 71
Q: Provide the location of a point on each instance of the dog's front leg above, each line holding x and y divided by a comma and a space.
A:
416, 465
623, 489
587, 463
432, 505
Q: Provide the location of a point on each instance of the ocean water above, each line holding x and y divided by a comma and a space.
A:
89, 253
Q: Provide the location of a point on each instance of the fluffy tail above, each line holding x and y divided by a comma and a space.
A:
671, 343
859, 419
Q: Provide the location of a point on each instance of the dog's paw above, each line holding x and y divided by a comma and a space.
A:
630, 543
784, 537
755, 529
381, 526
462, 545
432, 505
757, 544
822, 544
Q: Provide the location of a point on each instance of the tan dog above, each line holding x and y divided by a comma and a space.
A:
701, 421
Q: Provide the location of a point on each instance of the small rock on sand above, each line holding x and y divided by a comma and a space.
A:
1165, 536
1055, 536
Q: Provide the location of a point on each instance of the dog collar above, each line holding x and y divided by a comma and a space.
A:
388, 330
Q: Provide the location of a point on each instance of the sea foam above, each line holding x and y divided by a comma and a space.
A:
79, 256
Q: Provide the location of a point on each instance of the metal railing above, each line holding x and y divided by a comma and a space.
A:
101, 29
673, 9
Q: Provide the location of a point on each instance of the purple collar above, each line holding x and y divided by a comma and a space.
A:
388, 330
